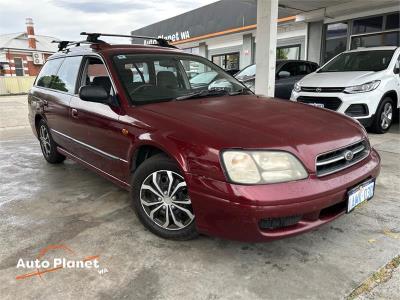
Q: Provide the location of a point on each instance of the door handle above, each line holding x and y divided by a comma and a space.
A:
74, 113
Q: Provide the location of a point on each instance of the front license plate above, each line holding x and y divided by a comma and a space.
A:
320, 105
359, 194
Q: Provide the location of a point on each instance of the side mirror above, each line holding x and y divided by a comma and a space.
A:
283, 74
94, 93
396, 70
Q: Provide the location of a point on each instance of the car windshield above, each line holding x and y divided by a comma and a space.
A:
250, 71
204, 78
376, 60
149, 78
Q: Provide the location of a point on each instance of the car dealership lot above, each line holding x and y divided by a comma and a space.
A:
43, 205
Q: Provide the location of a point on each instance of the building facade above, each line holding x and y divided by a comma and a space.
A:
225, 31
23, 54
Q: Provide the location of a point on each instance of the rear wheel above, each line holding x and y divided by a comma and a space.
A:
384, 116
161, 200
47, 144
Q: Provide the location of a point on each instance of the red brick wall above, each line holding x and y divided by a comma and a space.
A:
33, 70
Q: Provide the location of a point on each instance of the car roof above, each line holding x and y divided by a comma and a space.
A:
373, 48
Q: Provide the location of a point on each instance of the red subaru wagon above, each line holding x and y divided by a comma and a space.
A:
197, 150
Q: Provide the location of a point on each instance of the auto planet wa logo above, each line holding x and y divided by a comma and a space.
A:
41, 265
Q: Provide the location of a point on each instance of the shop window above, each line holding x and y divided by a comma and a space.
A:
375, 40
392, 21
288, 52
19, 67
335, 40
227, 61
367, 25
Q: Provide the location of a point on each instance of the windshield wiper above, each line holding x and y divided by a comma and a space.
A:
203, 94
215, 92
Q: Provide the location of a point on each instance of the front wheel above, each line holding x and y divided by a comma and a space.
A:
384, 116
47, 144
161, 200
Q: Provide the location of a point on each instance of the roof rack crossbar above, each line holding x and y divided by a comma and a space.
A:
63, 45
93, 37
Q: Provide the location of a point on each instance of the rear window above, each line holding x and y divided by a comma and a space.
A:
48, 72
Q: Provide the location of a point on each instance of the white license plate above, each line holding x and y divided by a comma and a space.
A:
320, 105
359, 194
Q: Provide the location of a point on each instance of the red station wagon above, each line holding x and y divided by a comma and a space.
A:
207, 158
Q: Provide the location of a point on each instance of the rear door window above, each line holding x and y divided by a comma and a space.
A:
48, 73
67, 75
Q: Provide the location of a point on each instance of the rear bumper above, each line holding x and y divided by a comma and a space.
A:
234, 211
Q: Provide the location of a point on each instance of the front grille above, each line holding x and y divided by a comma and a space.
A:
322, 89
275, 223
342, 158
331, 103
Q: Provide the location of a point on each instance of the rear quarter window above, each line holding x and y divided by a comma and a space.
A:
48, 72
67, 75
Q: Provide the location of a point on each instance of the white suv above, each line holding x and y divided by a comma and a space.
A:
363, 84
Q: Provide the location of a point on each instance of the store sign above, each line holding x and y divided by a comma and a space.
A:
177, 36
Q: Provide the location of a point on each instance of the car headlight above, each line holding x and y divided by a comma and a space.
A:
297, 87
259, 167
362, 88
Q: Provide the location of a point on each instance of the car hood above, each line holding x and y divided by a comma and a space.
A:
252, 122
338, 79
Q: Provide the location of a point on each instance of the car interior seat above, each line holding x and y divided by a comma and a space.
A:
167, 79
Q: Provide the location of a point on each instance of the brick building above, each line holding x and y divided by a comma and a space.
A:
23, 53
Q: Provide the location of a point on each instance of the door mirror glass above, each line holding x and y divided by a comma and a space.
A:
283, 74
94, 93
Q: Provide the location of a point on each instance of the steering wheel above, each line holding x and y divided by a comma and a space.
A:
144, 86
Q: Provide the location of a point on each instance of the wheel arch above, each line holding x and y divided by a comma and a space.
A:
38, 118
393, 95
148, 148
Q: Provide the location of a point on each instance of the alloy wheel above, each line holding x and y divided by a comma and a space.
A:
44, 138
165, 200
386, 116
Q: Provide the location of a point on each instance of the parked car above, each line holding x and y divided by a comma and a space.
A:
219, 161
288, 72
363, 84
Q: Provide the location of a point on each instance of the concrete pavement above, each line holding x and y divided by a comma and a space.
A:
42, 205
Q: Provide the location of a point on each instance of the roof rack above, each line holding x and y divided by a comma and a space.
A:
93, 37
63, 45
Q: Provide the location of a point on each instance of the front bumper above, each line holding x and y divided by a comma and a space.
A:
234, 211
370, 99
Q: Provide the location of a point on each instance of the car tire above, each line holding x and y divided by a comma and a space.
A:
47, 144
161, 201
384, 116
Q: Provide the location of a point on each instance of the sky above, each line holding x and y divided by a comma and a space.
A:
65, 19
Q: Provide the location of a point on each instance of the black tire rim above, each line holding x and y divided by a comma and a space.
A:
165, 200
